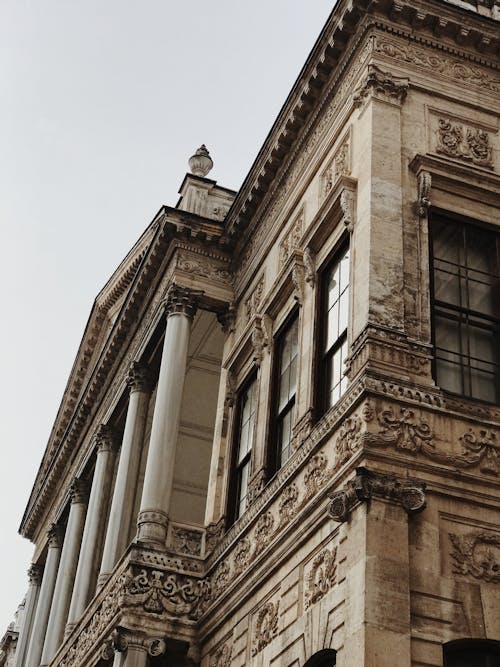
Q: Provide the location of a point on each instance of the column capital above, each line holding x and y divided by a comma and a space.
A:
367, 484
79, 491
105, 438
35, 574
55, 535
122, 639
182, 300
139, 377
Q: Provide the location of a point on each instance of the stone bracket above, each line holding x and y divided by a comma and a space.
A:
367, 484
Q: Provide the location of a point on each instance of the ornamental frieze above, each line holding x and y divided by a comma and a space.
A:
222, 656
339, 165
476, 555
291, 240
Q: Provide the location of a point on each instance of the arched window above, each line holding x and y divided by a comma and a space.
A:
325, 658
472, 653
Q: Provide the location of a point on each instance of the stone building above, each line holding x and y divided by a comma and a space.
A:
279, 442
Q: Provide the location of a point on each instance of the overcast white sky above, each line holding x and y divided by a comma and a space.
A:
102, 103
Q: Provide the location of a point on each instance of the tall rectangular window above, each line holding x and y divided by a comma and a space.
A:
466, 308
246, 410
286, 382
336, 314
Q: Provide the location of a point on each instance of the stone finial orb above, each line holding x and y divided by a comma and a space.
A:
200, 163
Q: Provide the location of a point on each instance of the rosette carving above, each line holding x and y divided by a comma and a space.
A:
266, 626
322, 576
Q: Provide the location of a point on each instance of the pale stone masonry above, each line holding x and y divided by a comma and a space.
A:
280, 441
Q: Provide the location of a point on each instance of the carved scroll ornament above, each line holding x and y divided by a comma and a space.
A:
368, 484
478, 555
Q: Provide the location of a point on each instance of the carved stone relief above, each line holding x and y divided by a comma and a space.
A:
291, 240
221, 657
368, 484
339, 165
383, 85
266, 626
477, 555
321, 576
469, 144
186, 541
252, 303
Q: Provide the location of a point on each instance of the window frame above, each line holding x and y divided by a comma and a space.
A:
273, 455
321, 374
235, 476
488, 651
456, 312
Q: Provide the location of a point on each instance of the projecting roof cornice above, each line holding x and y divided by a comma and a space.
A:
131, 283
472, 25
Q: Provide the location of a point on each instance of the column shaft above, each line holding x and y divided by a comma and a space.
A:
44, 599
128, 469
158, 479
34, 575
66, 573
92, 532
135, 656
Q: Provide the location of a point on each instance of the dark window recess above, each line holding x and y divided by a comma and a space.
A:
286, 388
472, 653
466, 308
336, 314
243, 442
325, 658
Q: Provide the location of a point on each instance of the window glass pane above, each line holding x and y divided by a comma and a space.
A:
243, 489
343, 311
332, 330
466, 312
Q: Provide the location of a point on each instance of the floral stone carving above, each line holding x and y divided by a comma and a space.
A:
266, 626
157, 591
477, 555
465, 143
222, 656
322, 576
263, 532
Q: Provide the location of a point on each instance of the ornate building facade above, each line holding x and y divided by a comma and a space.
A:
279, 442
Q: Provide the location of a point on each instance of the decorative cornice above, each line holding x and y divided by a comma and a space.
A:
368, 484
139, 377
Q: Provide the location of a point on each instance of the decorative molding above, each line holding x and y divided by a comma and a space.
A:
299, 282
368, 484
214, 534
288, 504
310, 266
480, 448
139, 377
186, 541
182, 300
349, 439
382, 85
222, 656
478, 555
424, 181
227, 319
261, 337
156, 592
264, 530
242, 555
266, 626
347, 205
315, 475
252, 303
291, 241
470, 144
321, 577
202, 267
256, 485
439, 63
339, 165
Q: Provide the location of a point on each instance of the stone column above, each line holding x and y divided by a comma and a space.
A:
45, 598
180, 307
94, 524
139, 381
35, 578
67, 570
